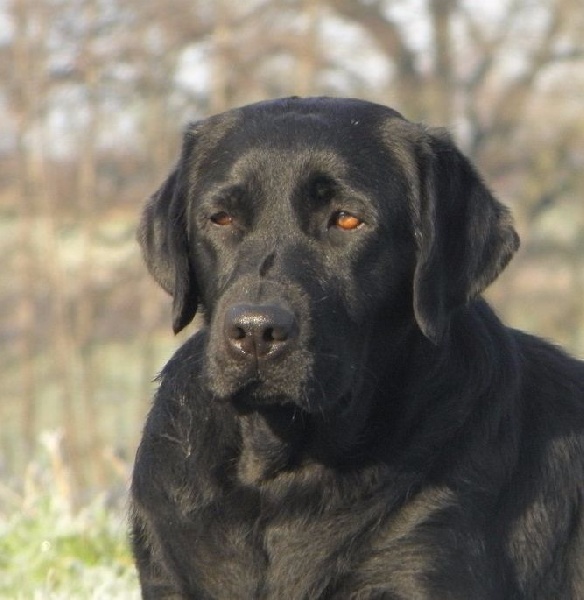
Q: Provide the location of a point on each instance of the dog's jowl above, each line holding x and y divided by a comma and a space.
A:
351, 420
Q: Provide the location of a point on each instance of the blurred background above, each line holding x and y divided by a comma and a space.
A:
93, 97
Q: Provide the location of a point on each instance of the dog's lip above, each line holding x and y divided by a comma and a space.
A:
246, 399
249, 397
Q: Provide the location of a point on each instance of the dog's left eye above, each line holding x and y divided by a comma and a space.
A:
222, 218
345, 221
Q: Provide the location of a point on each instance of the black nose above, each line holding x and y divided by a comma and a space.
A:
260, 331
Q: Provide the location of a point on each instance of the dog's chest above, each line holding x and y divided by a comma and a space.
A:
294, 558
307, 556
312, 534
319, 556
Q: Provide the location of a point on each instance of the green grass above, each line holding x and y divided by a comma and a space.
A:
50, 550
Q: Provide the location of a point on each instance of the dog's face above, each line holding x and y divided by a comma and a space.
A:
313, 233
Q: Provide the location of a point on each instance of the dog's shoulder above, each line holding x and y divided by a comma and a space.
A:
186, 425
185, 366
552, 426
551, 404
188, 440
545, 503
552, 382
181, 391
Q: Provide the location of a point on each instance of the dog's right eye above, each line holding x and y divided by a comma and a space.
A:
222, 218
345, 221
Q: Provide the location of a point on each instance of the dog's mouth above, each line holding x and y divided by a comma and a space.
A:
257, 393
252, 395
277, 409
309, 381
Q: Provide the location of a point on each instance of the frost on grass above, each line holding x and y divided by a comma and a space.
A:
51, 550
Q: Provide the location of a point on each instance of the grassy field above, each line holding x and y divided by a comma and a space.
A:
51, 550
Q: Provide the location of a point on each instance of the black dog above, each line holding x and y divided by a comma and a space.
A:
352, 420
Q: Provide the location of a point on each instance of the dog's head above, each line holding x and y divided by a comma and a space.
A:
312, 231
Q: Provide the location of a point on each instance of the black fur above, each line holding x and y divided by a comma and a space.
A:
383, 435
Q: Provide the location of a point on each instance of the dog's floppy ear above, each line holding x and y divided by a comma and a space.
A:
464, 236
163, 237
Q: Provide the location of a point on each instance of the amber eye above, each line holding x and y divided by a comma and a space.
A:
222, 218
346, 221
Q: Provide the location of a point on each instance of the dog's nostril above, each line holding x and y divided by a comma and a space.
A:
277, 334
260, 331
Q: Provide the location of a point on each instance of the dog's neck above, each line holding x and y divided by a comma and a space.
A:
280, 439
271, 441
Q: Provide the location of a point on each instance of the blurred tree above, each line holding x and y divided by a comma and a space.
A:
20, 97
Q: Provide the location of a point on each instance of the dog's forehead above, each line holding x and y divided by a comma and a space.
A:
332, 135
313, 121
